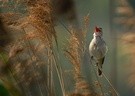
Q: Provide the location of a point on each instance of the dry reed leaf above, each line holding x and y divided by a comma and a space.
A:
15, 50
82, 85
31, 35
10, 18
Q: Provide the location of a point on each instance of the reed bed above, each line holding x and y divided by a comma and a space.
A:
31, 56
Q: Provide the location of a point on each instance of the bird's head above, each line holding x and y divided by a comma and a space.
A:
98, 31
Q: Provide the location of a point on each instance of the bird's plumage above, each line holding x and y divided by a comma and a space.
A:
98, 48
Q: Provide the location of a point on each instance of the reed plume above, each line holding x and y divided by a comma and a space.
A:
126, 20
36, 25
33, 62
74, 52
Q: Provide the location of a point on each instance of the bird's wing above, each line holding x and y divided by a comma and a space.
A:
101, 52
104, 50
103, 60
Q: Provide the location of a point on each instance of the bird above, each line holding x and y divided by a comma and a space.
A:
98, 48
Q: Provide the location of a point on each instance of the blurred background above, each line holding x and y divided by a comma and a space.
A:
116, 17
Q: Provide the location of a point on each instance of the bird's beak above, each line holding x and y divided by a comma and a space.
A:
96, 29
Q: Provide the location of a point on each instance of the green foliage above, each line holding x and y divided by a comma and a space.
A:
3, 90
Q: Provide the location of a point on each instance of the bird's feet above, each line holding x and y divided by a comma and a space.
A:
96, 64
92, 58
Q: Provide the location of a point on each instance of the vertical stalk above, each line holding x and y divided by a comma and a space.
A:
59, 76
48, 75
33, 66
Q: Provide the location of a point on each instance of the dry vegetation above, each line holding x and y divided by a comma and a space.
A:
74, 52
127, 19
30, 60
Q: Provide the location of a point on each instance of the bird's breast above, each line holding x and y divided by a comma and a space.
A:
97, 48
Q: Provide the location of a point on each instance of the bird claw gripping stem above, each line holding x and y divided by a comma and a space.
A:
96, 64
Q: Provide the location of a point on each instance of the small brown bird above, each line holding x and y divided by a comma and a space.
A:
98, 48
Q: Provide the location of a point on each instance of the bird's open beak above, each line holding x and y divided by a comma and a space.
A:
96, 29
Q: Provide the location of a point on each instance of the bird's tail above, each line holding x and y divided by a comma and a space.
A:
100, 63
